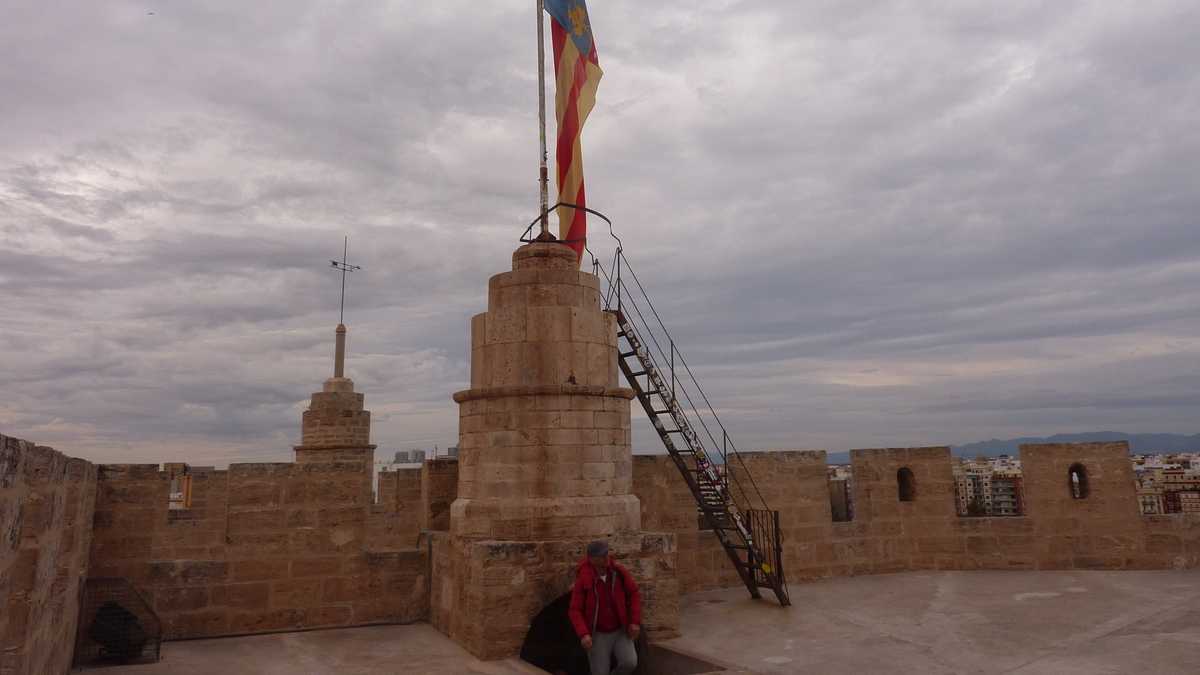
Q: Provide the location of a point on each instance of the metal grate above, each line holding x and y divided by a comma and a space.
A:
767, 555
116, 625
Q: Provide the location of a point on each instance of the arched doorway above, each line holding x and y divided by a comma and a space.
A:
551, 644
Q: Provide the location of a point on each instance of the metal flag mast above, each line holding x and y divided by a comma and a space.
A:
543, 176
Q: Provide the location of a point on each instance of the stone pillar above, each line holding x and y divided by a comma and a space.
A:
544, 458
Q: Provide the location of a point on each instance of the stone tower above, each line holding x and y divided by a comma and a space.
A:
336, 427
544, 460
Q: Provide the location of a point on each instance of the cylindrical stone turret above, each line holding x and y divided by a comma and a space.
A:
544, 443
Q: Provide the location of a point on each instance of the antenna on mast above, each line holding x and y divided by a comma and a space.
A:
344, 267
339, 351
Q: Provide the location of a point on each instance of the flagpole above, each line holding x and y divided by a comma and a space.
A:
543, 176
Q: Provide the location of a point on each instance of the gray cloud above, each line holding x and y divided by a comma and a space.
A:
865, 225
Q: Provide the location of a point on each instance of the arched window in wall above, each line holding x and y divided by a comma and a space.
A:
906, 484
1078, 481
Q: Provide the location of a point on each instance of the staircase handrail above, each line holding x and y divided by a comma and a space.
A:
621, 262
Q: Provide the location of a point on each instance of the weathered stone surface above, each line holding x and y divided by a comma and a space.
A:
1102, 531
545, 462
271, 546
46, 510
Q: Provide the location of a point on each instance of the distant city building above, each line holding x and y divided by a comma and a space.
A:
989, 486
409, 457
1008, 498
1167, 483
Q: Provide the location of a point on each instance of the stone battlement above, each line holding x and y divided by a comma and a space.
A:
1103, 530
483, 545
264, 547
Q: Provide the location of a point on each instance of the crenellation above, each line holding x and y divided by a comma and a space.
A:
480, 543
1103, 531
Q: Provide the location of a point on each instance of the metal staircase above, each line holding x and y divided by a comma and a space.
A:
694, 436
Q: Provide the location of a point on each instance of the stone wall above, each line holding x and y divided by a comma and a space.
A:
668, 506
395, 519
46, 503
264, 547
267, 547
1102, 531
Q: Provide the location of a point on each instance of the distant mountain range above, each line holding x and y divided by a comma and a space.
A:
1138, 443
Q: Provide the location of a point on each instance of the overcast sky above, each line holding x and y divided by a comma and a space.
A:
867, 223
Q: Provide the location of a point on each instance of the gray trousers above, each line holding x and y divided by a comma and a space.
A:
607, 645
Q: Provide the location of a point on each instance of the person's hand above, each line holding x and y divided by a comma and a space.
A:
586, 642
634, 631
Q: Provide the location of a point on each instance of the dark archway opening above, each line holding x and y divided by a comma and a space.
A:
1078, 481
551, 645
906, 484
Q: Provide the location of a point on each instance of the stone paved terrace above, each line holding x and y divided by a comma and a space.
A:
1060, 623
1092, 622
370, 650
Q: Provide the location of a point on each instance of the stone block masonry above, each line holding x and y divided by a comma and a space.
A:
46, 503
263, 547
272, 547
480, 545
1100, 530
395, 518
544, 461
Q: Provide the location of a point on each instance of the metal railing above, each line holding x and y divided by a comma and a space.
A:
635, 304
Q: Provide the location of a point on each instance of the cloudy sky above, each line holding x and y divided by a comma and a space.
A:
867, 223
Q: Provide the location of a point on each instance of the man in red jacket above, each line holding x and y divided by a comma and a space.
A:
606, 611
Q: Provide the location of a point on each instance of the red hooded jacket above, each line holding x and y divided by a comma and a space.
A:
626, 597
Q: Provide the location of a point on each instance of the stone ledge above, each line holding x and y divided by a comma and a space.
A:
542, 390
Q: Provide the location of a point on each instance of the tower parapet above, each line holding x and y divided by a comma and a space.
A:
545, 463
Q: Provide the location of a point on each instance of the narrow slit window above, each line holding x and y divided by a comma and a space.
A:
906, 484
840, 502
1077, 477
180, 496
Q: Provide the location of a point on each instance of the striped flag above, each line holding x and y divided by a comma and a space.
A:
578, 73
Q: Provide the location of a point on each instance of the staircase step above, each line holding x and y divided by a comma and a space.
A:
715, 505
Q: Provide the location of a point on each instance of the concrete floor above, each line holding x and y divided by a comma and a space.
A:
373, 650
1065, 623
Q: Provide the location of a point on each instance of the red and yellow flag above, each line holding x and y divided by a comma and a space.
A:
578, 73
